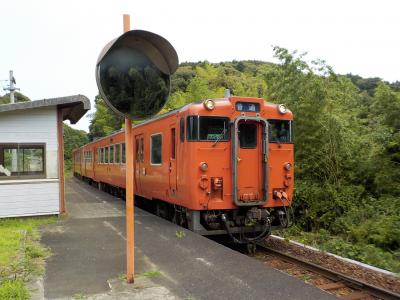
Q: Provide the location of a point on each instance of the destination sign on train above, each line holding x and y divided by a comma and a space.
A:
247, 107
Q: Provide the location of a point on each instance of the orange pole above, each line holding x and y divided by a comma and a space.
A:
130, 192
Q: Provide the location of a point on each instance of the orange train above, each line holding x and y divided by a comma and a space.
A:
219, 166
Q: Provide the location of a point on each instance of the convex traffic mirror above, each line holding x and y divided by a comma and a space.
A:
133, 73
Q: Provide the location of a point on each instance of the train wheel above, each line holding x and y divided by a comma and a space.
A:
251, 248
162, 210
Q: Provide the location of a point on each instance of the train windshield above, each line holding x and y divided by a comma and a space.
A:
280, 131
207, 128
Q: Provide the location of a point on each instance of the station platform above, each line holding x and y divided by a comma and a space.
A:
171, 262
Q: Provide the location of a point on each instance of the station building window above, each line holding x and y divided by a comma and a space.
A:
155, 149
22, 161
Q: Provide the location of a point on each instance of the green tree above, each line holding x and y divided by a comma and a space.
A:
104, 120
18, 97
73, 139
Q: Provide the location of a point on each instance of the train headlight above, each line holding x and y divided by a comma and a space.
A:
282, 109
203, 166
288, 166
209, 104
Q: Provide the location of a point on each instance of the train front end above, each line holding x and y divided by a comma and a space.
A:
243, 148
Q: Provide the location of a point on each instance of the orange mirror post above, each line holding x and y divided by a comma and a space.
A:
130, 193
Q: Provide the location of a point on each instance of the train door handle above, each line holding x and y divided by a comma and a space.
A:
170, 167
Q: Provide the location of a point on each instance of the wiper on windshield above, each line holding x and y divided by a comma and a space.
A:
222, 134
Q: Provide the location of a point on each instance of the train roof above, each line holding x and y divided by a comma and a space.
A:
186, 107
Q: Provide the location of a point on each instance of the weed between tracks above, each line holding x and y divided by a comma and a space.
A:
21, 255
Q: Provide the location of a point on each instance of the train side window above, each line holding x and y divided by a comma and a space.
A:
173, 143
111, 154
141, 150
155, 149
182, 130
117, 153
248, 136
123, 153
106, 154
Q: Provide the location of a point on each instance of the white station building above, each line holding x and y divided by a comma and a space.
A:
32, 155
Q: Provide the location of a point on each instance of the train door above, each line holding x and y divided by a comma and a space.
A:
85, 162
139, 162
250, 161
172, 162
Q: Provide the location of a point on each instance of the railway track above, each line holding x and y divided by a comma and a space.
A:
361, 290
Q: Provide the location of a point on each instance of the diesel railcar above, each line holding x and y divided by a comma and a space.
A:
219, 166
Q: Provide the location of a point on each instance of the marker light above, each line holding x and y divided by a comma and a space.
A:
209, 104
282, 109
288, 166
203, 166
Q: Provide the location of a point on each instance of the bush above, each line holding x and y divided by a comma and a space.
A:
13, 290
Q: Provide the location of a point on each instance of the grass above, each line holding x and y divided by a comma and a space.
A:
150, 274
79, 296
363, 252
21, 255
180, 234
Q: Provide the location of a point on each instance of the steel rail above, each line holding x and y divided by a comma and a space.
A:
335, 276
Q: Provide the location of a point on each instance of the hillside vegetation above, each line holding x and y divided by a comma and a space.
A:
18, 97
347, 146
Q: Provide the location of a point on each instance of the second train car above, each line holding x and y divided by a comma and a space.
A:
219, 166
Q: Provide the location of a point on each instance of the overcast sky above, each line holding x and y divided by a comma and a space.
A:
52, 46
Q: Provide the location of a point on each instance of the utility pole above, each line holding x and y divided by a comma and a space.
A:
11, 87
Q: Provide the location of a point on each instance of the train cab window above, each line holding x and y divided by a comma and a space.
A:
207, 128
123, 153
112, 154
117, 153
106, 153
280, 131
214, 128
141, 150
192, 128
247, 135
182, 130
155, 149
137, 150
173, 143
